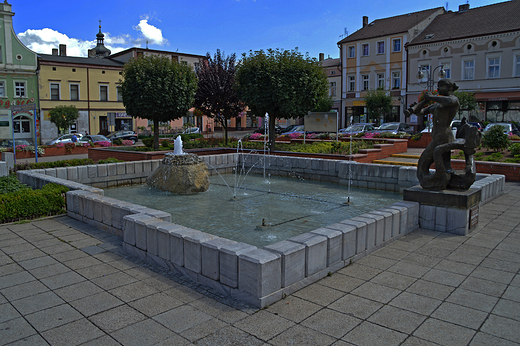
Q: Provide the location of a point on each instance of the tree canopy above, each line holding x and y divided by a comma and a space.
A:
63, 116
378, 102
216, 96
282, 83
158, 88
467, 101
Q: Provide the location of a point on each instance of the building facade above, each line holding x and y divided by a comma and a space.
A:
332, 68
375, 57
18, 83
92, 84
480, 50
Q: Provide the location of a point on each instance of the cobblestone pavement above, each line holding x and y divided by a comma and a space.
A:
63, 282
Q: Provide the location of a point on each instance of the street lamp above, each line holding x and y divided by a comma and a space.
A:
424, 71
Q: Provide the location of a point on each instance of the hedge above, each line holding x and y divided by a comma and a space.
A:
30, 204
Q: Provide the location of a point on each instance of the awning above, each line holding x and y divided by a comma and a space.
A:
497, 96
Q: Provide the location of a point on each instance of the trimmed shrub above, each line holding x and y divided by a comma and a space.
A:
495, 139
29, 204
515, 149
53, 164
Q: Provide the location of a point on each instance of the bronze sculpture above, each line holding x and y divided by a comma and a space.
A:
444, 109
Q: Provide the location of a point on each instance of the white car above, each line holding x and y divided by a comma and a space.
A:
454, 124
65, 138
191, 130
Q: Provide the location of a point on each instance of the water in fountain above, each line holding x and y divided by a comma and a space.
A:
177, 146
288, 206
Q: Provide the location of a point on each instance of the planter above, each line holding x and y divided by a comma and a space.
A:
426, 138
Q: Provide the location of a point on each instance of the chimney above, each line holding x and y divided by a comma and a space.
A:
322, 56
63, 50
463, 7
54, 51
365, 21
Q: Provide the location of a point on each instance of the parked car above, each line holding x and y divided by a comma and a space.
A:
507, 127
289, 128
478, 125
94, 139
355, 129
299, 129
8, 143
124, 135
454, 125
65, 138
394, 128
191, 130
261, 130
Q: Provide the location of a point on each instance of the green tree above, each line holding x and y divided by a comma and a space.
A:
63, 117
282, 83
467, 101
158, 88
324, 104
216, 96
378, 102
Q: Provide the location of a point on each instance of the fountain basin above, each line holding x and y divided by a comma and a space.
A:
257, 276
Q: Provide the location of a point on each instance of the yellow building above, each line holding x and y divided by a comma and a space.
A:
92, 85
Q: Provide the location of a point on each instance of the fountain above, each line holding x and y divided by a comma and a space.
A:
180, 173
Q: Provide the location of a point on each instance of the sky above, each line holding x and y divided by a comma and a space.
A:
200, 27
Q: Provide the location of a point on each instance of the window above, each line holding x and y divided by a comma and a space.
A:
196, 66
396, 45
55, 91
352, 51
22, 125
469, 70
19, 89
351, 83
494, 68
446, 66
396, 80
119, 94
2, 89
365, 49
103, 93
332, 91
366, 82
381, 80
517, 66
74, 92
381, 47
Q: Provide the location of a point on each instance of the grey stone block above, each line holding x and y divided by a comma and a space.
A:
348, 240
72, 173
361, 233
163, 239
229, 262
92, 171
152, 236
386, 232
260, 273
211, 257
412, 214
315, 251
102, 170
129, 234
440, 219
147, 167
130, 167
138, 166
457, 221
193, 250
177, 245
121, 168
334, 244
370, 230
111, 169
155, 164
141, 230
427, 216
293, 261
396, 223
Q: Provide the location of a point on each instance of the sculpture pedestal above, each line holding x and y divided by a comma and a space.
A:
446, 210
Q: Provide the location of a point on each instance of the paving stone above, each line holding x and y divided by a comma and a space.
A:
319, 294
155, 304
300, 335
96, 303
397, 319
147, 332
227, 336
371, 334
53, 317
460, 315
419, 304
376, 292
331, 322
264, 325
37, 302
355, 306
444, 333
16, 329
117, 318
182, 318
430, 289
294, 308
74, 333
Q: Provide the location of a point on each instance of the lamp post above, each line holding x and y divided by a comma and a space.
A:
424, 71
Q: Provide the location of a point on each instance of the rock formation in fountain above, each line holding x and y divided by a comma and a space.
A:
180, 173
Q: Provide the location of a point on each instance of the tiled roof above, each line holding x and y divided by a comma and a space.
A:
496, 18
80, 60
390, 25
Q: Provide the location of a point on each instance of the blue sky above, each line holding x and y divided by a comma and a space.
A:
233, 26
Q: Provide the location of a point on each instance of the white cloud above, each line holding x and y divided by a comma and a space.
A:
150, 32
